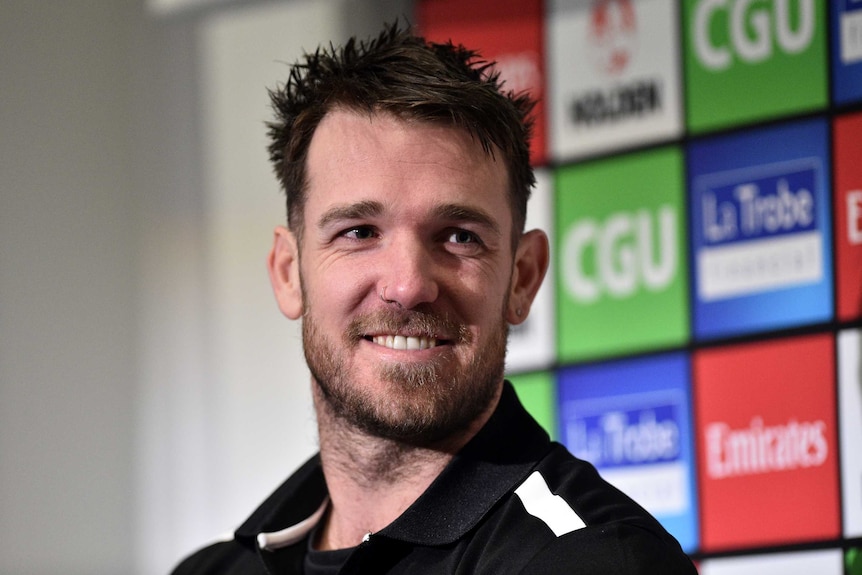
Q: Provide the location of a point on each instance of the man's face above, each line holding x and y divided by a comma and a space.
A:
405, 266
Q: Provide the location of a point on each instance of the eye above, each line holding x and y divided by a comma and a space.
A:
463, 237
359, 233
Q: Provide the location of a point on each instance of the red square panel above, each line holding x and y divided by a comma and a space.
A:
767, 461
508, 32
848, 215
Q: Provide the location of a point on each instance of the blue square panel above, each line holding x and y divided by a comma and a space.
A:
760, 230
631, 419
846, 23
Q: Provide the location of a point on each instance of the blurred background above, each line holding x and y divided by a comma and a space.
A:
151, 394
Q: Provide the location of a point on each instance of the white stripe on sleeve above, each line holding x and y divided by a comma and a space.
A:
552, 509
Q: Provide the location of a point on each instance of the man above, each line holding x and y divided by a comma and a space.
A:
407, 176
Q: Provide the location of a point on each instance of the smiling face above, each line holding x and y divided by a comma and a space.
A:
405, 274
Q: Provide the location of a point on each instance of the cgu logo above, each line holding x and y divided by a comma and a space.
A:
751, 26
622, 252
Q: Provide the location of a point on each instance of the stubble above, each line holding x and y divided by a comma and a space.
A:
422, 402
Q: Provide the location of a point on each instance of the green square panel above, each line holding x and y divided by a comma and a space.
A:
622, 272
853, 561
749, 60
538, 392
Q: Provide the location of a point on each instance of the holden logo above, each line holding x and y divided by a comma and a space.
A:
612, 35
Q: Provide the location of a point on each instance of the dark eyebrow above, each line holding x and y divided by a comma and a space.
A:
370, 208
357, 211
460, 213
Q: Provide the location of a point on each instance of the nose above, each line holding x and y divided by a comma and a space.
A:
408, 275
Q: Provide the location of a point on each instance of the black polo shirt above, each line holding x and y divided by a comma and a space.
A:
511, 501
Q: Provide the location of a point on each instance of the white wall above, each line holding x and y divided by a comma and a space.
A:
150, 392
67, 289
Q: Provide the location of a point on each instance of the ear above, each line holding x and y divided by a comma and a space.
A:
531, 264
283, 265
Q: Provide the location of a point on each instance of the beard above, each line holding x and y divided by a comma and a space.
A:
423, 402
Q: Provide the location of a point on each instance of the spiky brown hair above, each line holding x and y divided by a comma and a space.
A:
400, 73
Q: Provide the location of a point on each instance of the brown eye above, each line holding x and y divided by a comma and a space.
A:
359, 233
463, 237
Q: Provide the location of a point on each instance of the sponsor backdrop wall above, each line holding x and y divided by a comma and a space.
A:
698, 339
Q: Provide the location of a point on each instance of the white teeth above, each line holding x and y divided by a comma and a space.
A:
405, 342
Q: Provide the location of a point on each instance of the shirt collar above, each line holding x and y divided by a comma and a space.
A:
491, 465
291, 505
496, 460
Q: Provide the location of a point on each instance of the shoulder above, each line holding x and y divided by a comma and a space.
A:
622, 548
222, 558
605, 530
595, 500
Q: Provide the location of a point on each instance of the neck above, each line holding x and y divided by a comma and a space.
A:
372, 480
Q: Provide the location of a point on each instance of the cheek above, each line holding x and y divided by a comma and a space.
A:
481, 299
334, 294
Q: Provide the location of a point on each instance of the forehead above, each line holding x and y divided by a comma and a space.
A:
356, 157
